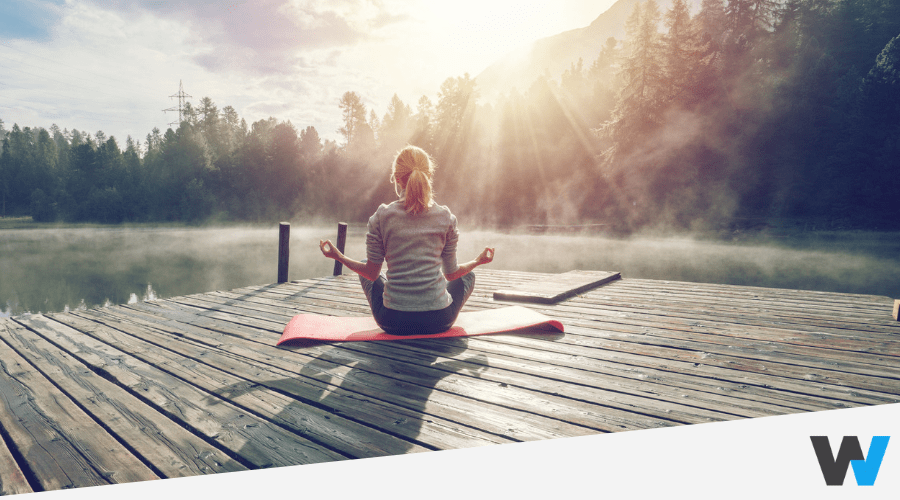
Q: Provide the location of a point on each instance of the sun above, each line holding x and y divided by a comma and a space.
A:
483, 31
501, 24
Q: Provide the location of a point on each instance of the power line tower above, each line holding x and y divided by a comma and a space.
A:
181, 96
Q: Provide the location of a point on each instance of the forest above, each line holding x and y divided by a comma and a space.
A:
748, 109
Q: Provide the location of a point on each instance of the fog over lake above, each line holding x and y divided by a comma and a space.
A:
48, 270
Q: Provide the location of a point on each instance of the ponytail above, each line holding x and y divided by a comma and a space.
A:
418, 192
414, 169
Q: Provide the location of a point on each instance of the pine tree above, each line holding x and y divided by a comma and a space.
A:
423, 136
310, 144
353, 112
456, 103
708, 31
679, 53
396, 126
642, 97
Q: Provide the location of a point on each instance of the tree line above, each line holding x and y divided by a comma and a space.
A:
749, 108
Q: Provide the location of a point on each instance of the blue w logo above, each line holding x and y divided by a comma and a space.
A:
834, 469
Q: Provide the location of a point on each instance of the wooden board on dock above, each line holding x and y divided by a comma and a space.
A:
195, 385
556, 288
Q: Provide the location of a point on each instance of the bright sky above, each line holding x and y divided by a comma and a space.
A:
111, 65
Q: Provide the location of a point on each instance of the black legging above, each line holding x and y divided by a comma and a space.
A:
417, 322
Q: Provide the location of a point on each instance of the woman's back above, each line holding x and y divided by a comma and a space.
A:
419, 249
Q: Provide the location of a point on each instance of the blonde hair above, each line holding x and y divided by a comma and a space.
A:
413, 169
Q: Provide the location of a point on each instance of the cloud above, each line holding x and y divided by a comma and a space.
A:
111, 65
265, 37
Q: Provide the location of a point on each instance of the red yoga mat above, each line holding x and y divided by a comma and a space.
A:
317, 327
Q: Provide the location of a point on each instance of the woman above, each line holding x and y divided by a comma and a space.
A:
424, 287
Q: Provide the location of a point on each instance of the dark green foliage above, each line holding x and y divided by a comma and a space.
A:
750, 108
881, 87
781, 123
197, 203
105, 205
43, 209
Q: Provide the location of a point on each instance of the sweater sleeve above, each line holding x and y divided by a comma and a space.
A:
374, 241
448, 254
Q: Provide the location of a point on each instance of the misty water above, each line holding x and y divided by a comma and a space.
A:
49, 270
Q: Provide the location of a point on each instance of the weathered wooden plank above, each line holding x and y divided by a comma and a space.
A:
735, 344
849, 303
656, 378
336, 432
628, 307
767, 373
805, 320
392, 381
587, 307
830, 348
556, 288
588, 295
599, 393
204, 346
62, 446
552, 310
457, 410
572, 373
728, 333
833, 357
476, 287
255, 440
555, 311
794, 339
725, 336
717, 385
166, 446
767, 357
761, 304
636, 354
815, 348
833, 299
818, 313
639, 387
622, 401
700, 292
12, 479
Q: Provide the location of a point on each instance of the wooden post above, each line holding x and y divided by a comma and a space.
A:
341, 242
284, 244
897, 310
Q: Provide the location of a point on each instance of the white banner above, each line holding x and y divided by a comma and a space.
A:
772, 456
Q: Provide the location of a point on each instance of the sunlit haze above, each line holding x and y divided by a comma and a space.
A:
113, 65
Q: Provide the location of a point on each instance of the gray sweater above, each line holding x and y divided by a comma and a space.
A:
416, 248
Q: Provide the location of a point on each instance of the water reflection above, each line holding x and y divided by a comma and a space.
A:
65, 269
50, 270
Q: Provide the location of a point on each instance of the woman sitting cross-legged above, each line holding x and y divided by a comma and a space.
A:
424, 287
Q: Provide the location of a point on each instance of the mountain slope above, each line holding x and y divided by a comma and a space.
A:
555, 54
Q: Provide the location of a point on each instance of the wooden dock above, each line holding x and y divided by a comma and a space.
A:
195, 385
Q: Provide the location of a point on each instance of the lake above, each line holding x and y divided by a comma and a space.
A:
49, 270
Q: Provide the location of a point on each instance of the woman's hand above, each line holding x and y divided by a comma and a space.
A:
329, 250
367, 270
486, 256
